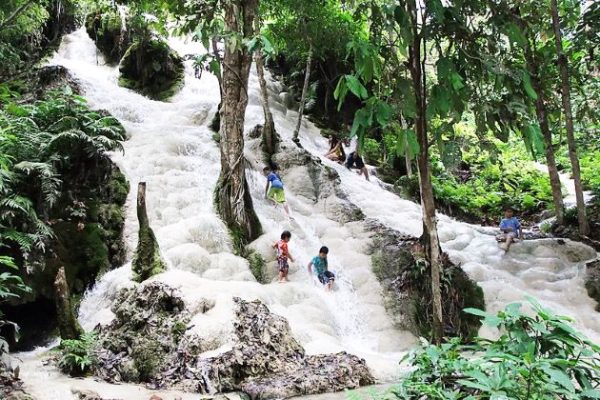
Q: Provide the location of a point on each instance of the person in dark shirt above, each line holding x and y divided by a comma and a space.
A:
354, 160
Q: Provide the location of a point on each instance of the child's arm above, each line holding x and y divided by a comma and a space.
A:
290, 256
309, 267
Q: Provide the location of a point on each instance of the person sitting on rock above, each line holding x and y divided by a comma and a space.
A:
274, 189
282, 255
325, 276
336, 150
510, 227
354, 160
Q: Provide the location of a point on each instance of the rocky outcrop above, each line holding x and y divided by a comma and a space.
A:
592, 281
105, 27
148, 341
398, 262
306, 176
150, 67
11, 387
87, 222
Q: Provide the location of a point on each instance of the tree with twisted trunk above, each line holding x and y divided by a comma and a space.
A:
232, 195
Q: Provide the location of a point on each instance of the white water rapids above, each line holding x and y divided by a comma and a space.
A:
172, 149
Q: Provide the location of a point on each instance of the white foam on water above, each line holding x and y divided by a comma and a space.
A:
172, 149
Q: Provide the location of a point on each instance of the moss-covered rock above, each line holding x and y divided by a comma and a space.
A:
398, 263
151, 68
105, 27
592, 281
88, 240
257, 266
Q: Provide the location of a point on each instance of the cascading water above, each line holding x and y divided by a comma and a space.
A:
172, 149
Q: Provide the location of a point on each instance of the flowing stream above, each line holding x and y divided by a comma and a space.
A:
172, 149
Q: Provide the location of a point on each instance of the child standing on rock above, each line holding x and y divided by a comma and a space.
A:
282, 256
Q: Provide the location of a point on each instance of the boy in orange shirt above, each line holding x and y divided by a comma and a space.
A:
282, 255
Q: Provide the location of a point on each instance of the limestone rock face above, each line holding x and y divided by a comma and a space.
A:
306, 176
147, 341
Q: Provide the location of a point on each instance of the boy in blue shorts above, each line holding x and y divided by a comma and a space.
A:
511, 228
320, 263
274, 189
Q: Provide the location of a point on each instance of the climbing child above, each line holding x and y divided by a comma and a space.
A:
510, 227
274, 189
354, 160
320, 263
282, 255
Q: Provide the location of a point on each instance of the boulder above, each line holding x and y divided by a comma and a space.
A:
142, 343
11, 387
147, 341
398, 263
106, 27
306, 176
151, 68
592, 281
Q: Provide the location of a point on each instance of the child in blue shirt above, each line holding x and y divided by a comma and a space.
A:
274, 189
511, 228
320, 263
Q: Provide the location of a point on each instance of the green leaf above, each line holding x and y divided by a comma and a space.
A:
527, 85
356, 87
560, 377
591, 393
383, 113
341, 90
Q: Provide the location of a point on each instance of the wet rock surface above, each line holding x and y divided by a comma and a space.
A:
147, 343
306, 176
142, 343
11, 387
398, 263
592, 281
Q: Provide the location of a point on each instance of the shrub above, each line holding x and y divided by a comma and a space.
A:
536, 357
77, 355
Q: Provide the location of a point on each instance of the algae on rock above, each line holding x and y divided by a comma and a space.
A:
105, 27
152, 68
147, 261
68, 325
399, 265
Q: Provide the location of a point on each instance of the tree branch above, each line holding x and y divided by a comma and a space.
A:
15, 14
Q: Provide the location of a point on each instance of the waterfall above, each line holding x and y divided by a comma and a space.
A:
172, 149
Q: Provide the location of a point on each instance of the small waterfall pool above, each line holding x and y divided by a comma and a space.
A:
172, 149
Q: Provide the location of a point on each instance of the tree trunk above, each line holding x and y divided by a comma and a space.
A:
232, 195
304, 93
542, 117
147, 261
67, 322
584, 228
269, 137
430, 233
407, 158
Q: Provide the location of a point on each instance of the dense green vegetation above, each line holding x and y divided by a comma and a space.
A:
539, 356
